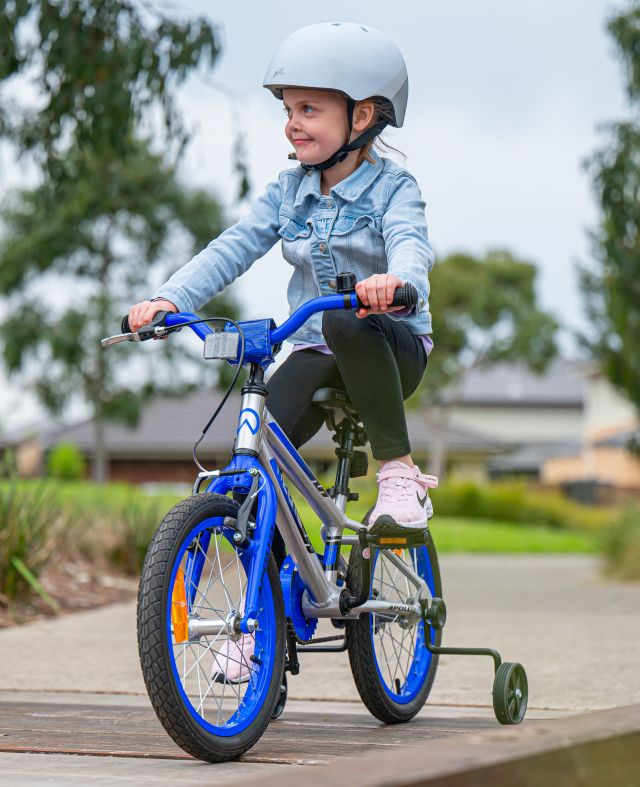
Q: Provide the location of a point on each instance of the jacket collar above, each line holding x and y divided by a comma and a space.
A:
350, 189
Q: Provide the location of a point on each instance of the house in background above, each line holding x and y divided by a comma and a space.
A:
605, 467
160, 448
504, 421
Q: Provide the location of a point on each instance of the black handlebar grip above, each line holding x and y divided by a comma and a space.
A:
145, 331
405, 296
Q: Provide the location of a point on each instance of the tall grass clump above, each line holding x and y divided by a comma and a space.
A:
134, 522
621, 545
29, 520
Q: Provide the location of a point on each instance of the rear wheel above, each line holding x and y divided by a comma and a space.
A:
193, 577
392, 668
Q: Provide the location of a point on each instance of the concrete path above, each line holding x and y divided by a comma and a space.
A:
577, 636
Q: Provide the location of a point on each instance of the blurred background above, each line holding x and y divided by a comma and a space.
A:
131, 134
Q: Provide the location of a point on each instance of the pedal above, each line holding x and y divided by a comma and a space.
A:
400, 539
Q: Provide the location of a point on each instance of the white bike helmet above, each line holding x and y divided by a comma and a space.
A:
354, 59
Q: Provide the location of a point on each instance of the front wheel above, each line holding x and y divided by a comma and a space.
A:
392, 668
213, 693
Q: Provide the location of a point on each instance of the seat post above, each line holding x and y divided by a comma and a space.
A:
345, 453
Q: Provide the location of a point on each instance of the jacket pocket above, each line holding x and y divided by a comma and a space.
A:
346, 224
292, 229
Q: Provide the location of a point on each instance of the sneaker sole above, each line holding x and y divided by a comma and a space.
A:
386, 525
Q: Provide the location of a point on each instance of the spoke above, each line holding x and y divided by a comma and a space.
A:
203, 654
224, 587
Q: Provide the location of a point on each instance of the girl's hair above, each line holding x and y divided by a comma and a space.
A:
382, 112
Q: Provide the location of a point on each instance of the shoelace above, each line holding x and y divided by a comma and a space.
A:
395, 487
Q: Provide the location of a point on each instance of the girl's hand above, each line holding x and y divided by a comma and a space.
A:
142, 313
376, 292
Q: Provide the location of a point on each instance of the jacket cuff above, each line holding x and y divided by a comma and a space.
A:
177, 296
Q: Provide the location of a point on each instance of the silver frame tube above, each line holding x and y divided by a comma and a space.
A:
322, 596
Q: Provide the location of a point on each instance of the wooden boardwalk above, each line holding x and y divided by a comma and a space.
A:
301, 737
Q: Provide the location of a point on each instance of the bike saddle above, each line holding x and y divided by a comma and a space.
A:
334, 399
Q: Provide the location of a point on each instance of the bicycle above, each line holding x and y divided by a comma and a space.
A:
209, 579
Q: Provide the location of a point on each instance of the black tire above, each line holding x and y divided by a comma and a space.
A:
361, 647
510, 693
155, 648
282, 699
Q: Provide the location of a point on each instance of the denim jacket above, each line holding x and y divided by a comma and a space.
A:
372, 222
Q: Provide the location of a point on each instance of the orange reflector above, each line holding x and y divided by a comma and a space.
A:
392, 540
398, 552
179, 613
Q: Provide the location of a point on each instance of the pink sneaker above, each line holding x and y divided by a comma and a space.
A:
232, 664
403, 498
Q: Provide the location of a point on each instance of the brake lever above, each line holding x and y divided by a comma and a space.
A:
120, 337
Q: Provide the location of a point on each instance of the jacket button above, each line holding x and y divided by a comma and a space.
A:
323, 247
329, 203
332, 284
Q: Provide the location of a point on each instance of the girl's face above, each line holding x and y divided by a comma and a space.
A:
316, 122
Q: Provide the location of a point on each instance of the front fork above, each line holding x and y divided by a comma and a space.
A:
238, 477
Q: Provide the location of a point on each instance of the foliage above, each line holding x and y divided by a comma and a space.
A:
29, 531
66, 462
611, 286
516, 502
109, 215
484, 310
99, 67
621, 545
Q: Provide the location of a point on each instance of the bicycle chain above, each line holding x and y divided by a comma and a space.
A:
312, 641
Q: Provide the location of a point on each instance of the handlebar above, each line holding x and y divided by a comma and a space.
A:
163, 321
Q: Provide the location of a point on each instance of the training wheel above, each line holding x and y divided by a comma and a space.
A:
510, 693
282, 699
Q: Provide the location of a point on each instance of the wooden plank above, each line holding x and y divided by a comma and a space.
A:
128, 731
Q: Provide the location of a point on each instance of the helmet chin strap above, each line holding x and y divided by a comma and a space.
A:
343, 152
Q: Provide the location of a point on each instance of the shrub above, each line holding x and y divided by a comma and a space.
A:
66, 463
515, 502
28, 518
621, 545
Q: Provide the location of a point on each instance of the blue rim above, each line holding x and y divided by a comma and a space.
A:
418, 672
265, 639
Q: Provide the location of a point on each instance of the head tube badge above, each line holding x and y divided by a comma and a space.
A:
221, 344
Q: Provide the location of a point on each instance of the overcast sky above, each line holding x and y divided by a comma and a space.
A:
505, 102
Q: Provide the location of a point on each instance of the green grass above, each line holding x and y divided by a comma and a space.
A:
453, 534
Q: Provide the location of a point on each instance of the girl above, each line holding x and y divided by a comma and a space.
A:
344, 208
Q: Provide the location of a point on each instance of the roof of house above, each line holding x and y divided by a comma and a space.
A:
528, 458
169, 427
562, 384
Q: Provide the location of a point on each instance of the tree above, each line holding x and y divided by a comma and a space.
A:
611, 287
484, 311
109, 212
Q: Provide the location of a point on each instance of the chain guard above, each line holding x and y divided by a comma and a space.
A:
292, 591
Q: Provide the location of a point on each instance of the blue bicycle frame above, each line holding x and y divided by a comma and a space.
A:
262, 449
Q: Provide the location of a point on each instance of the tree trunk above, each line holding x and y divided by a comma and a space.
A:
100, 469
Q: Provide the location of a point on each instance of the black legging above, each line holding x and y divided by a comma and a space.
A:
377, 360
